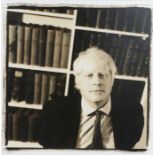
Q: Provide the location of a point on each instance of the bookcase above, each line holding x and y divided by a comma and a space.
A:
42, 43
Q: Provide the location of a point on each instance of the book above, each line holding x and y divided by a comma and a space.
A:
135, 59
107, 42
23, 125
34, 45
12, 42
60, 85
110, 18
42, 45
140, 20
65, 49
130, 19
52, 86
29, 87
15, 124
27, 44
49, 47
119, 19
93, 39
123, 55
100, 40
57, 48
10, 81
70, 11
118, 48
20, 43
18, 86
146, 27
143, 54
85, 40
33, 126
37, 88
145, 72
100, 19
45, 88
91, 14
9, 126
81, 17
128, 57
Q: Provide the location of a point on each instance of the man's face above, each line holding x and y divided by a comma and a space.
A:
95, 83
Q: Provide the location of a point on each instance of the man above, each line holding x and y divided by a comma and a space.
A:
92, 120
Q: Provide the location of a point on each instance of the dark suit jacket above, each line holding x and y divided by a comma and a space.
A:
61, 118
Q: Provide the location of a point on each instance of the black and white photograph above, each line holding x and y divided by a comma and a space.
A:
77, 77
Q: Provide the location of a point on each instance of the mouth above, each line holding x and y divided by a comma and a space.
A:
97, 91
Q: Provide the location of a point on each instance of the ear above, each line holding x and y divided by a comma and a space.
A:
77, 83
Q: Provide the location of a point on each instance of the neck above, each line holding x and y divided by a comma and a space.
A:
97, 105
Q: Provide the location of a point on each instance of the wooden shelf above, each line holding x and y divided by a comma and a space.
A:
23, 104
37, 68
143, 36
42, 13
19, 144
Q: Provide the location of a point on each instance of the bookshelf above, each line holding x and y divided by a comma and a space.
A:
55, 21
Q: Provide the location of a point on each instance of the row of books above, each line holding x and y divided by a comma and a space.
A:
23, 125
131, 55
34, 88
65, 10
38, 45
123, 19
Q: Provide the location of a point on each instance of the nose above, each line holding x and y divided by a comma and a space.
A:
96, 80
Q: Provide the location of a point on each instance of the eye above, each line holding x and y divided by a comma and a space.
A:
90, 75
103, 75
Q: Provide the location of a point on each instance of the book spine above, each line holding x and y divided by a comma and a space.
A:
23, 126
65, 49
27, 44
118, 50
81, 17
18, 86
120, 19
42, 46
12, 42
128, 57
37, 88
100, 41
123, 55
91, 15
34, 46
20, 43
110, 18
45, 88
10, 79
140, 20
49, 47
135, 59
33, 127
145, 72
15, 124
93, 39
9, 126
144, 49
147, 22
52, 86
29, 89
57, 48
60, 85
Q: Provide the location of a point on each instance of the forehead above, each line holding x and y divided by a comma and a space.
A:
92, 65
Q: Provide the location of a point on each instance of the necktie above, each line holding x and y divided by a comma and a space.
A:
97, 138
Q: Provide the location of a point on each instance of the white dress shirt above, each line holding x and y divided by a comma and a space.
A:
86, 128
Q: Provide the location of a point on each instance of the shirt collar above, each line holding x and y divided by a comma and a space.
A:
88, 109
